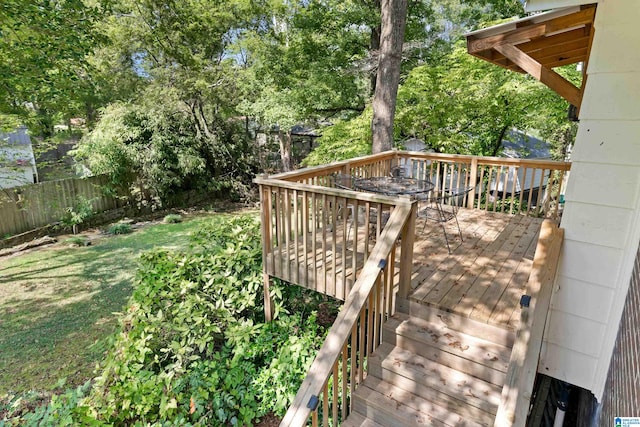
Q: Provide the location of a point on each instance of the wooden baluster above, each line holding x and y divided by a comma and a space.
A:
334, 237
504, 187
513, 188
367, 229
335, 395
473, 183
541, 191
522, 188
345, 228
531, 187
305, 236
353, 361
278, 223
323, 255
370, 335
345, 380
287, 230
314, 239
296, 235
325, 404
548, 193
391, 268
361, 344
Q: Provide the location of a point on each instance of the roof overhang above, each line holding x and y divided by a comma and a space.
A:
539, 43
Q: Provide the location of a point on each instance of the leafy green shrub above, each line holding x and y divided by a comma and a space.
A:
172, 219
120, 228
79, 212
62, 410
193, 347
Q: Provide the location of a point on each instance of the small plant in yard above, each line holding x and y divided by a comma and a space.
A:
77, 241
120, 228
75, 215
172, 219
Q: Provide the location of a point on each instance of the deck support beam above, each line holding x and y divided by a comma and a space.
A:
268, 307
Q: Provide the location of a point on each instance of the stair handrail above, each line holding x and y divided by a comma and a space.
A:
523, 364
325, 364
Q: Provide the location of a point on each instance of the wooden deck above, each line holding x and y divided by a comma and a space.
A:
485, 276
482, 279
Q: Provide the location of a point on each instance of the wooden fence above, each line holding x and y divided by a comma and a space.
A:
29, 207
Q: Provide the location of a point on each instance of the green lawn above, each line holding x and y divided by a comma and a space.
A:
57, 304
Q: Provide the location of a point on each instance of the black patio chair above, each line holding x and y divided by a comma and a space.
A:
443, 207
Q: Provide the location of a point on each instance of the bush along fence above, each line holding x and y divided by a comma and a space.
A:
66, 201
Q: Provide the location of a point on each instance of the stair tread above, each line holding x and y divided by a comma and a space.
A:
441, 379
438, 335
391, 406
356, 419
494, 333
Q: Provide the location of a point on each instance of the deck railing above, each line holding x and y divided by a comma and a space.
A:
320, 237
343, 243
523, 365
338, 369
513, 186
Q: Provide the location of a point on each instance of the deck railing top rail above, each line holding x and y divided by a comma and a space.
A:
514, 186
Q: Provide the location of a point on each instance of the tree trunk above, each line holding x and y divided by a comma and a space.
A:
393, 18
374, 47
498, 142
285, 150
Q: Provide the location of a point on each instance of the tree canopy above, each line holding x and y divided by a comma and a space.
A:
178, 90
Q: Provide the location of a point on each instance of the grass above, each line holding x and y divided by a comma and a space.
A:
57, 305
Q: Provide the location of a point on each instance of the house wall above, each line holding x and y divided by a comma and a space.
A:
15, 176
602, 209
621, 396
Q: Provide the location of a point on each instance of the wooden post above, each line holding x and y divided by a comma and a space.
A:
268, 307
406, 256
473, 182
265, 227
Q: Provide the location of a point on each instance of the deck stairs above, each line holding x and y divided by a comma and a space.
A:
433, 368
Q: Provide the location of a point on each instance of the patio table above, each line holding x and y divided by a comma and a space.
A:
394, 185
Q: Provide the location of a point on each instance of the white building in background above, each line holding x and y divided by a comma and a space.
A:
17, 162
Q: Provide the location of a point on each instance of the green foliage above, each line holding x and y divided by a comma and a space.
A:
43, 51
79, 212
77, 241
26, 409
158, 143
172, 219
344, 140
462, 105
120, 228
193, 348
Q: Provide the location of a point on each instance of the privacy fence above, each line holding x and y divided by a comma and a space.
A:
32, 206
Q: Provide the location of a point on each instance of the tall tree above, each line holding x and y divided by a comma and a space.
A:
393, 18
43, 51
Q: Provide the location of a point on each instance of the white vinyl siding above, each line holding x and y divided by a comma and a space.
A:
602, 213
